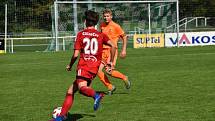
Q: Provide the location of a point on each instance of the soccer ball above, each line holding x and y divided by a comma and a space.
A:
56, 112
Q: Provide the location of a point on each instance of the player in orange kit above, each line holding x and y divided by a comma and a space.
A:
114, 32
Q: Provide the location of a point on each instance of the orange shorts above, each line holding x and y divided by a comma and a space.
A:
106, 56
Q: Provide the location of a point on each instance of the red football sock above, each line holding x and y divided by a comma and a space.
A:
87, 91
67, 104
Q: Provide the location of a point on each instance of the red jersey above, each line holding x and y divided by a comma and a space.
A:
90, 43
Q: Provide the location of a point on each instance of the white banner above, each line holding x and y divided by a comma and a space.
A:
190, 39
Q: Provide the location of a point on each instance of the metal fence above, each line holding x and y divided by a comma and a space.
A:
64, 18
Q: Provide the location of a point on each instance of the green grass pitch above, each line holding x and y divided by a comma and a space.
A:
168, 84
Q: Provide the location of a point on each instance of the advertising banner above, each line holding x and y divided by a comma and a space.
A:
2, 45
190, 39
146, 40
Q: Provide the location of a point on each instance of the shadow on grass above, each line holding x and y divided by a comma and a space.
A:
76, 117
120, 93
106, 93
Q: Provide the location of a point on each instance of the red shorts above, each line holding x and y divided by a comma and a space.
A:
83, 75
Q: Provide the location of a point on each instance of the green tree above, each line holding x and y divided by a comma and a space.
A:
197, 8
26, 14
2, 14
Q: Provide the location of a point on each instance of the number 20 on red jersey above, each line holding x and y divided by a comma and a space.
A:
91, 46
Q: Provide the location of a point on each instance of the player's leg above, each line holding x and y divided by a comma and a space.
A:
102, 76
116, 74
123, 77
67, 104
89, 92
104, 79
69, 99
84, 89
84, 80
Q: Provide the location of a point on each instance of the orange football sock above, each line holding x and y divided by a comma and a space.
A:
119, 75
105, 80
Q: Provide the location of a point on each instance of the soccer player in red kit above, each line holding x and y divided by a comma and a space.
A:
89, 43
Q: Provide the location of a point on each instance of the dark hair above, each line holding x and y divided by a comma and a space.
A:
91, 18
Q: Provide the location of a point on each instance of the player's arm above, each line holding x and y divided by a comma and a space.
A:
124, 45
77, 48
73, 59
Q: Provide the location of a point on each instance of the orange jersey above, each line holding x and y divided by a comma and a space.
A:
113, 31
